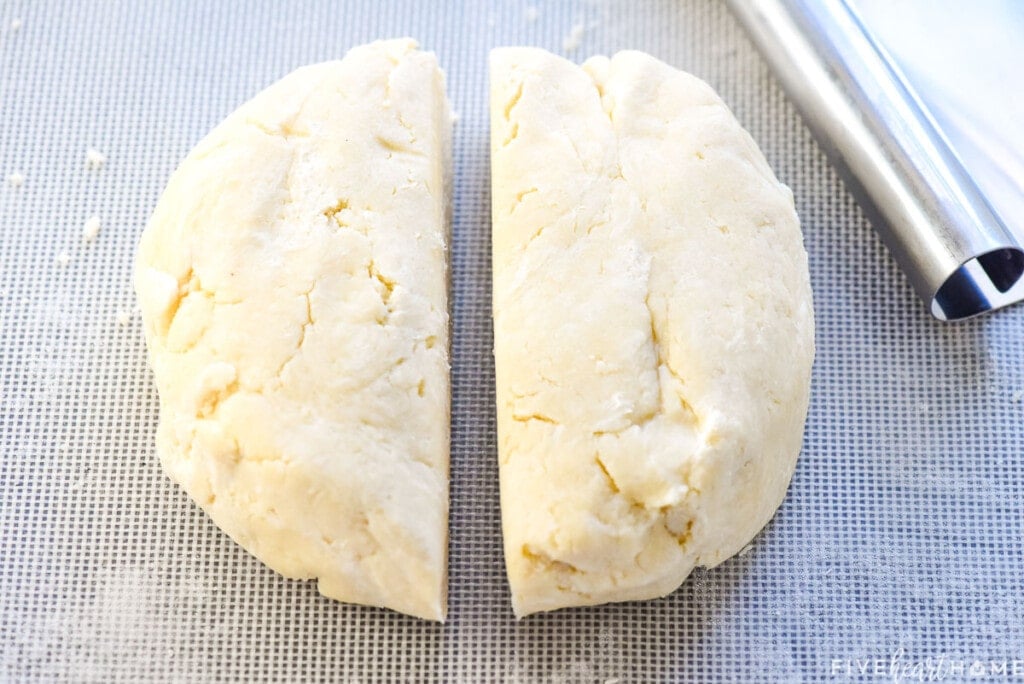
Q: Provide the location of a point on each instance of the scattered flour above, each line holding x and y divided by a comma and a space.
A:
94, 159
572, 41
91, 229
107, 631
15, 179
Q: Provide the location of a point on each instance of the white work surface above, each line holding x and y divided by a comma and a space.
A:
902, 535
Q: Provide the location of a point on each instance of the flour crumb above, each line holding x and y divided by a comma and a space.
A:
746, 549
531, 14
613, 680
63, 259
124, 318
15, 25
572, 41
15, 180
91, 229
94, 159
79, 483
1018, 396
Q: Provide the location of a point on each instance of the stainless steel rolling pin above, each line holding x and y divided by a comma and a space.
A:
957, 253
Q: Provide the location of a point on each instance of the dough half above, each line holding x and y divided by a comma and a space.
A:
293, 286
653, 327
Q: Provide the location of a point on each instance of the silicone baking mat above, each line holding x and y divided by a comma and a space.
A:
901, 539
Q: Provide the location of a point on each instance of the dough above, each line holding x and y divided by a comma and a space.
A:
653, 328
293, 286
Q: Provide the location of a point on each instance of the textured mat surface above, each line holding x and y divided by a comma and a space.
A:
903, 528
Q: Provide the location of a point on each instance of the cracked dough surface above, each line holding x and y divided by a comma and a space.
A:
653, 327
293, 287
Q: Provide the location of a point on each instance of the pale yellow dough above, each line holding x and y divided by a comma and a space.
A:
293, 286
653, 328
